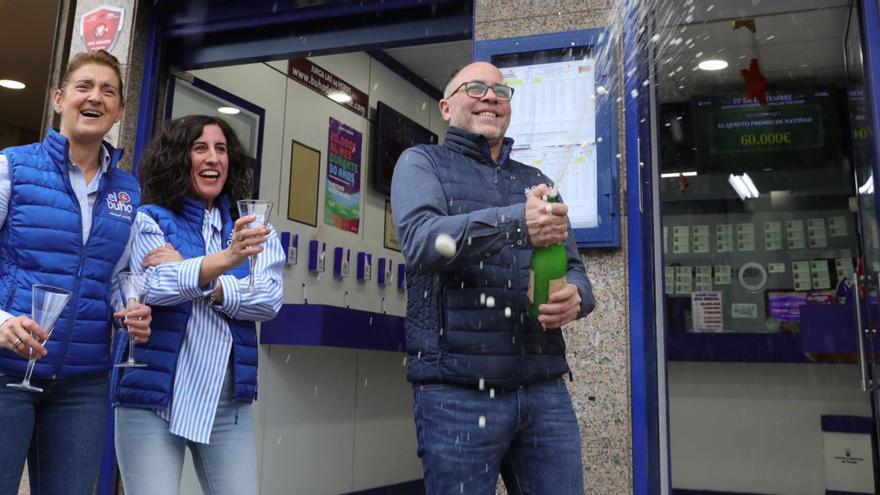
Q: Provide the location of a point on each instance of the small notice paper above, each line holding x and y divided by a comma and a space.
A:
707, 311
744, 310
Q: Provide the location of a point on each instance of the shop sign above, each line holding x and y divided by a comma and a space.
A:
100, 27
325, 83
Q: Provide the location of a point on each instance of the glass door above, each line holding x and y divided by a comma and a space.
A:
769, 245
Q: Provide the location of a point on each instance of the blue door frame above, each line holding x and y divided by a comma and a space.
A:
869, 26
639, 198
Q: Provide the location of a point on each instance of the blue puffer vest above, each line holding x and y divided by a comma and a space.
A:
41, 243
151, 387
451, 336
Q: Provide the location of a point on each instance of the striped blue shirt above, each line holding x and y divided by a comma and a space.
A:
204, 354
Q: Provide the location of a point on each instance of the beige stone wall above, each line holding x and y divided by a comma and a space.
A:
129, 49
598, 346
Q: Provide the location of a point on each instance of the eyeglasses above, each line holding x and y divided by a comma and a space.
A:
477, 89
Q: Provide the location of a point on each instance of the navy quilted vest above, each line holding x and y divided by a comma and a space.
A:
41, 243
151, 387
451, 336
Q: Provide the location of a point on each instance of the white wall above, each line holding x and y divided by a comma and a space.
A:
756, 428
329, 420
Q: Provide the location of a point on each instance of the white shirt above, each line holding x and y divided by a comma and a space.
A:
204, 354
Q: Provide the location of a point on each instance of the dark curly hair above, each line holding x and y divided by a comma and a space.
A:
165, 168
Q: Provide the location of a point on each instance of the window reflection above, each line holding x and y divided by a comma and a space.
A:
756, 154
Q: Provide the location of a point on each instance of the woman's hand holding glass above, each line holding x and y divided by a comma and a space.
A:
137, 320
246, 242
22, 335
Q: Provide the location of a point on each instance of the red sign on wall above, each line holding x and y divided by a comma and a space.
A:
100, 27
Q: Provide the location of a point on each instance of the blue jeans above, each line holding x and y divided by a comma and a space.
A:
60, 431
151, 457
530, 435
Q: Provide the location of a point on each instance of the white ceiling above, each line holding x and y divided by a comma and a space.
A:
434, 63
796, 42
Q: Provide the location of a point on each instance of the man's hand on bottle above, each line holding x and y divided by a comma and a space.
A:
547, 223
562, 307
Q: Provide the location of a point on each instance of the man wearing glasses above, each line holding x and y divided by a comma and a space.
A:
488, 380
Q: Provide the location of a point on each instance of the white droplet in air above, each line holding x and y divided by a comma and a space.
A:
646, 82
634, 93
491, 393
482, 299
424, 105
287, 360
445, 245
655, 38
599, 139
490, 302
601, 91
278, 442
482, 384
316, 390
481, 422
507, 312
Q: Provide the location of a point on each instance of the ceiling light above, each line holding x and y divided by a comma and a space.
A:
743, 186
10, 84
714, 64
669, 175
750, 185
228, 110
339, 96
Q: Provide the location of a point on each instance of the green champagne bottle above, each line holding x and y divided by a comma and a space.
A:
549, 266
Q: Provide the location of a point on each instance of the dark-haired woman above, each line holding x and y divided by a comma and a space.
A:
66, 213
201, 377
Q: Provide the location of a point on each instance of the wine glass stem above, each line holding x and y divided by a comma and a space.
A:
253, 264
130, 346
30, 367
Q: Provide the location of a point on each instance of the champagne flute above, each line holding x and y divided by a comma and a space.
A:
261, 209
46, 305
133, 289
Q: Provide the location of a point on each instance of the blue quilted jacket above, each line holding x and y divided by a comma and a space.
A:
41, 243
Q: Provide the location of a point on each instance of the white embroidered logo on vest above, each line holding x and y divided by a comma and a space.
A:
119, 204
